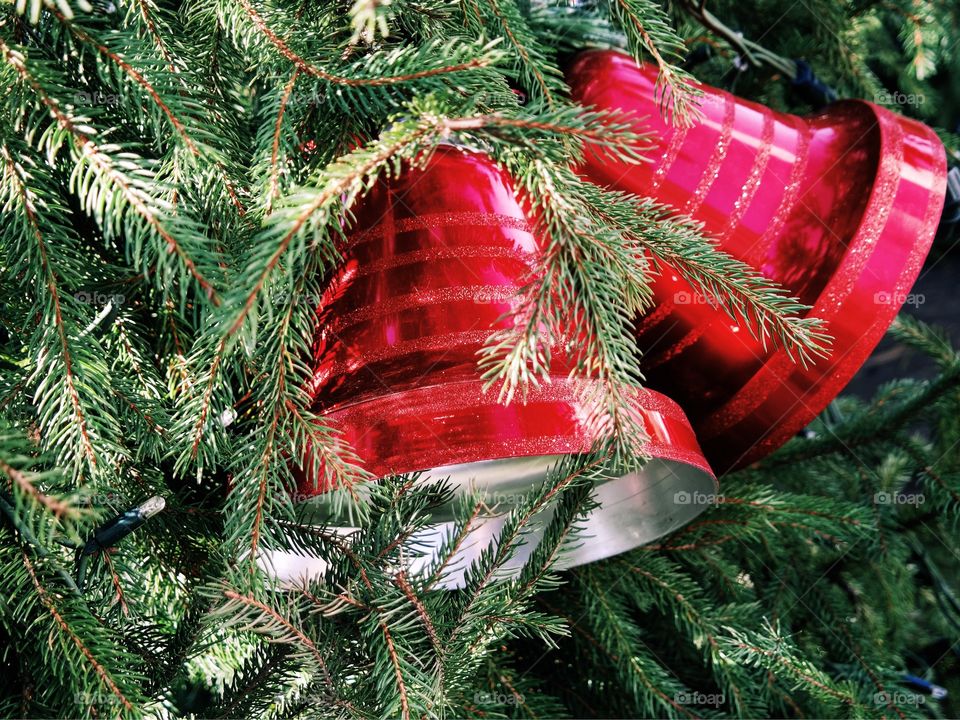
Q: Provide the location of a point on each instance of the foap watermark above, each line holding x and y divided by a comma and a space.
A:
92, 297
899, 498
494, 296
711, 103
502, 500
685, 297
104, 499
498, 698
308, 299
305, 98
897, 98
696, 498
95, 99
499, 98
899, 298
694, 697
96, 699
898, 697
301, 496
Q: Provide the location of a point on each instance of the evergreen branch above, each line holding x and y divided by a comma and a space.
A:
336, 463
562, 477
146, 9
261, 494
746, 511
27, 203
30, 540
36, 507
255, 677
677, 245
273, 191
93, 165
266, 458
170, 93
115, 579
531, 58
56, 506
486, 612
648, 29
559, 536
776, 653
97, 667
448, 553
649, 683
931, 341
71, 395
88, 660
681, 600
408, 592
397, 671
112, 57
250, 614
316, 72
609, 131
35, 6
200, 425
346, 178
266, 620
578, 298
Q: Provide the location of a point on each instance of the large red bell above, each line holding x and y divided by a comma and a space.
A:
840, 208
435, 260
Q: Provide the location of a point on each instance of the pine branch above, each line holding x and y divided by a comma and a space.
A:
677, 245
682, 601
653, 689
537, 72
372, 63
68, 649
34, 493
109, 173
648, 30
273, 189
770, 650
36, 6
578, 301
490, 606
70, 375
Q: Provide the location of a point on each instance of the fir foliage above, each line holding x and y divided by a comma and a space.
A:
175, 181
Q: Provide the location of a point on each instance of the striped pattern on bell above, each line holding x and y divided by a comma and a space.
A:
433, 263
840, 208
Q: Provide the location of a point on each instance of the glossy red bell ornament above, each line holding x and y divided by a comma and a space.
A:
432, 265
839, 207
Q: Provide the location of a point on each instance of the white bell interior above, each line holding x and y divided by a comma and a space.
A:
635, 509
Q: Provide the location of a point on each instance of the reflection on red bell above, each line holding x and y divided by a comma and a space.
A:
435, 259
840, 208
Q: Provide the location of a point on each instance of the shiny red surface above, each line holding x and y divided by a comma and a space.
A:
451, 423
432, 266
840, 208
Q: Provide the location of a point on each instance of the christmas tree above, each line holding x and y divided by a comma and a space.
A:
176, 183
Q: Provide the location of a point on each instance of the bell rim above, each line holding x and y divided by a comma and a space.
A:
730, 438
630, 518
828, 377
463, 421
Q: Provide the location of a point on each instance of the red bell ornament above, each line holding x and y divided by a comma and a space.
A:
433, 263
839, 207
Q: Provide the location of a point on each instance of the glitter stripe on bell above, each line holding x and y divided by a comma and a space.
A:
840, 208
431, 267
